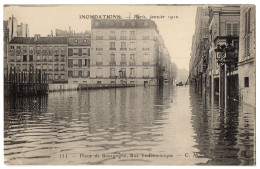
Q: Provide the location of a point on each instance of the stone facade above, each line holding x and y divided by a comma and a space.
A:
246, 66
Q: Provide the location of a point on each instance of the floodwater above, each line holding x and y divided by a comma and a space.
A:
170, 125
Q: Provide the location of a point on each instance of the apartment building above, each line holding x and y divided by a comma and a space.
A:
48, 54
124, 51
79, 50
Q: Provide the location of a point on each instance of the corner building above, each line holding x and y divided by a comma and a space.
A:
124, 51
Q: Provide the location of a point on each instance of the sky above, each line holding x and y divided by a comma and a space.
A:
176, 32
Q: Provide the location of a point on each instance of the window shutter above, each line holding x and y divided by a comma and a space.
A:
235, 29
70, 63
70, 52
80, 51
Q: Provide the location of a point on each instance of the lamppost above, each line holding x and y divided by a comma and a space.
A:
226, 55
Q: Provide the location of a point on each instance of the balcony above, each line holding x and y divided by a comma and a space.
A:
122, 63
112, 76
99, 63
145, 63
132, 76
99, 76
123, 48
112, 37
18, 52
44, 59
99, 49
112, 63
145, 49
62, 60
146, 77
123, 37
31, 51
112, 48
132, 63
50, 69
132, 49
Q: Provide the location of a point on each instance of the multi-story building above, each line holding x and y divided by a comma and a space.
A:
223, 25
48, 54
198, 51
246, 65
79, 48
124, 51
11, 30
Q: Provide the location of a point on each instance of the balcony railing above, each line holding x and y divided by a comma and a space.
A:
123, 37
132, 63
132, 49
132, 37
132, 76
146, 77
112, 37
112, 63
112, 48
99, 63
145, 49
122, 63
99, 48
145, 63
123, 48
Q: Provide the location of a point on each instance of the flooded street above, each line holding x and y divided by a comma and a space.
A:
170, 125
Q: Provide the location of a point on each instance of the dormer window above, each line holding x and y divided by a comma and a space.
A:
85, 40
76, 40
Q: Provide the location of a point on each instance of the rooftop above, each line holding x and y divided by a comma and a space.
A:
39, 40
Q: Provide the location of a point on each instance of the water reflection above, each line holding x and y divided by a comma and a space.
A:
172, 122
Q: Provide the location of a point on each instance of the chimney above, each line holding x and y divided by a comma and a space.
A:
36, 37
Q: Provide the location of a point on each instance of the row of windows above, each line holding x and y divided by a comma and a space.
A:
45, 67
31, 58
113, 37
38, 49
78, 63
122, 73
56, 76
79, 52
79, 73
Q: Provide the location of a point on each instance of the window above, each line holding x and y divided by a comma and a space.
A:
99, 59
76, 40
70, 73
85, 41
31, 49
24, 58
132, 46
112, 72
75, 63
123, 45
62, 58
50, 76
62, 67
44, 67
31, 58
24, 49
50, 58
232, 29
24, 67
85, 62
38, 50
85, 73
12, 48
44, 58
112, 46
44, 50
38, 58
75, 73
99, 72
18, 58
56, 76
85, 51
38, 66
146, 57
123, 35
62, 49
80, 51
132, 57
123, 57
56, 49
50, 67
56, 67
50, 50
132, 72
123, 72
132, 33
246, 79
62, 76
112, 57
75, 51
56, 58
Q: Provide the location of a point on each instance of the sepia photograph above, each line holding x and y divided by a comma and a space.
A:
129, 84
